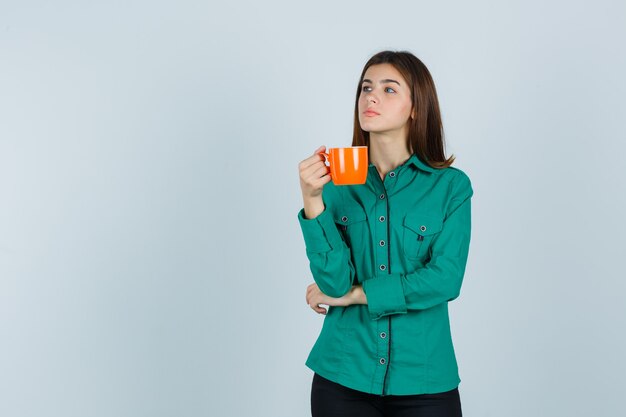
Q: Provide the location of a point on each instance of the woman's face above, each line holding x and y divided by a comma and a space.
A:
385, 100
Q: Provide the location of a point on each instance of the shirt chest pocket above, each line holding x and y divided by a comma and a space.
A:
352, 225
419, 230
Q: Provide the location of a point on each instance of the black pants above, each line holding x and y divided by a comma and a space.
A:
329, 399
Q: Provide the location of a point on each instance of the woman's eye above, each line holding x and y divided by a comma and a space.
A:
368, 88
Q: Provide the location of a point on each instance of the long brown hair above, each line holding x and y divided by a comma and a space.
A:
425, 138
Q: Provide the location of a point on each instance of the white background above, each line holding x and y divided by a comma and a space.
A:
151, 263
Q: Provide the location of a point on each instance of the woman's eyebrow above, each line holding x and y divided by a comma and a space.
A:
387, 80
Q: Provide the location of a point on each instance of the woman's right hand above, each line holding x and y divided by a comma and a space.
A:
314, 174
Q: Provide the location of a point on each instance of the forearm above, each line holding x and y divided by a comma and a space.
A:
313, 206
354, 296
357, 295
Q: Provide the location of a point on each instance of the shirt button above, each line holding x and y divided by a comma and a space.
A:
344, 219
423, 228
392, 174
382, 196
383, 335
383, 267
382, 361
382, 243
381, 218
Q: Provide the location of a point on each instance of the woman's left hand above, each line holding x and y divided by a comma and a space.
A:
315, 297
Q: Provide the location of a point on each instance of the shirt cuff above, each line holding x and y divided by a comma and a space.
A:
320, 234
385, 296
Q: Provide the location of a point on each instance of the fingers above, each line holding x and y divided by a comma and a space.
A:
313, 159
321, 171
315, 177
314, 174
318, 309
315, 170
313, 299
320, 149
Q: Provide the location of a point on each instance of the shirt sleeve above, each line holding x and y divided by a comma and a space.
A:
440, 279
329, 256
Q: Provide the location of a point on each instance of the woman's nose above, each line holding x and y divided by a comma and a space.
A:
371, 98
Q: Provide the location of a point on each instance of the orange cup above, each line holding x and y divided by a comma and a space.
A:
348, 166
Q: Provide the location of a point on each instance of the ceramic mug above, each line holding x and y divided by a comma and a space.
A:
348, 166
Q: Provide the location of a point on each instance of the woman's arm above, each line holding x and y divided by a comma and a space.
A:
315, 297
440, 280
328, 254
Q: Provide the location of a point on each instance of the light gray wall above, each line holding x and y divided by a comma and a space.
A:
151, 263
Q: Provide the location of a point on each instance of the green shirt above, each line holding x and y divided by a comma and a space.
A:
406, 239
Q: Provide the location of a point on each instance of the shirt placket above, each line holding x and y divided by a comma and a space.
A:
381, 232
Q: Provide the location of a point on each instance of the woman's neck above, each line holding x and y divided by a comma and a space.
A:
387, 153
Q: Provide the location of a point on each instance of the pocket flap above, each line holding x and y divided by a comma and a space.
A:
348, 216
423, 224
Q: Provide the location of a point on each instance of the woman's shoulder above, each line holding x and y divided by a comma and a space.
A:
453, 173
458, 178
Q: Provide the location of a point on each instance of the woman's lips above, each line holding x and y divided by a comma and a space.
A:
370, 113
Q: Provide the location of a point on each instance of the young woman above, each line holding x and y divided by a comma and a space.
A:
387, 256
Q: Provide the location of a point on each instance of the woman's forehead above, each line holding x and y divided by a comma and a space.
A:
380, 72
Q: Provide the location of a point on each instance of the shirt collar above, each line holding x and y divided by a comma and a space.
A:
415, 161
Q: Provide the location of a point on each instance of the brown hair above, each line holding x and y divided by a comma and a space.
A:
425, 138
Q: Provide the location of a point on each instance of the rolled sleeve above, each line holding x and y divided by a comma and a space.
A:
385, 296
329, 257
320, 233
